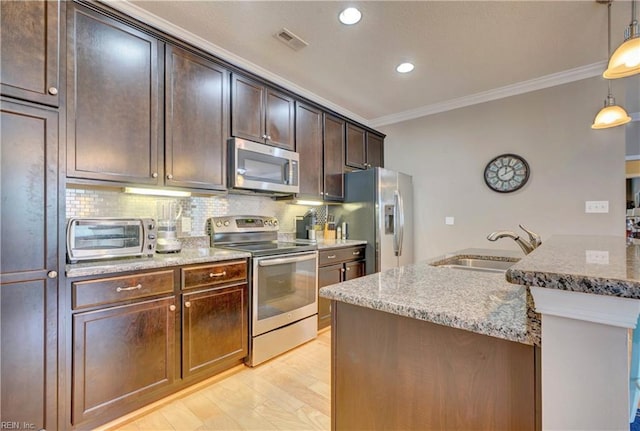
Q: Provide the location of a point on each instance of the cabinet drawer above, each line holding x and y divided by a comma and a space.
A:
117, 289
208, 275
329, 257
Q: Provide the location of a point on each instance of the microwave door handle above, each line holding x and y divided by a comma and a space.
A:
288, 172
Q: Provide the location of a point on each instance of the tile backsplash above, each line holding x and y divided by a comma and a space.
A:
88, 202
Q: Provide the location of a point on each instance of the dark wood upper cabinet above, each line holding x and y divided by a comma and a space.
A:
356, 147
197, 121
334, 135
364, 149
29, 265
214, 329
113, 119
30, 50
309, 147
375, 150
261, 114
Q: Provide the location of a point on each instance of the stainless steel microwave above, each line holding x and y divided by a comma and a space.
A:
260, 167
110, 237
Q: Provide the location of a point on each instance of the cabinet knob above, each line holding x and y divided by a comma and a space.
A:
264, 136
53, 91
52, 274
268, 137
169, 176
154, 175
342, 270
172, 307
187, 304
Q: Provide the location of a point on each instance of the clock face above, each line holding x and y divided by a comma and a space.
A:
506, 173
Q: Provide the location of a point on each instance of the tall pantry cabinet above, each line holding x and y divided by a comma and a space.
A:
29, 210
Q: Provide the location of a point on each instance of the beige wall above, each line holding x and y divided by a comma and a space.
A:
570, 163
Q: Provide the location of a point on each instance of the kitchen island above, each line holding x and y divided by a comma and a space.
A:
586, 298
428, 347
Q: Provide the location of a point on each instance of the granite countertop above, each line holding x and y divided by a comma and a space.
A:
602, 265
327, 244
480, 302
185, 257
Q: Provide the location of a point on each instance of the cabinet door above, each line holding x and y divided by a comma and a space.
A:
309, 147
279, 120
247, 109
375, 151
354, 270
327, 275
29, 53
121, 355
28, 256
215, 330
196, 116
334, 129
112, 112
356, 147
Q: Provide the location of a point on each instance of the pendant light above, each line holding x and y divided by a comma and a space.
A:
611, 115
625, 61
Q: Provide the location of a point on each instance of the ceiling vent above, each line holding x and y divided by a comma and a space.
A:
291, 40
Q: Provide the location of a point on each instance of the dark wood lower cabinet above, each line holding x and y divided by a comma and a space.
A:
214, 329
396, 373
335, 266
121, 356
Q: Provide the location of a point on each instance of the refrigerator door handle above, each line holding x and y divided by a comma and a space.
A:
400, 209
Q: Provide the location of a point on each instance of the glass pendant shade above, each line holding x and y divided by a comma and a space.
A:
611, 115
625, 61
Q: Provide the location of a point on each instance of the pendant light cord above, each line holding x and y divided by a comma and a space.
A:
609, 96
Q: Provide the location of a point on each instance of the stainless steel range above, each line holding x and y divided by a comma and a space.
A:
284, 283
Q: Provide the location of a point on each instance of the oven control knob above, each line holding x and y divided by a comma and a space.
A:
151, 226
226, 222
151, 236
218, 223
275, 222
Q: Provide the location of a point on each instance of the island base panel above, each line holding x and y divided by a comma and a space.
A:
394, 372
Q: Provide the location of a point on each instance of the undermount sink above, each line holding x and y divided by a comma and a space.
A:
488, 264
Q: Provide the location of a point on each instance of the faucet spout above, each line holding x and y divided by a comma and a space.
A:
526, 246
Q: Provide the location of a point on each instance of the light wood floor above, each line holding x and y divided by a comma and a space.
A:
290, 392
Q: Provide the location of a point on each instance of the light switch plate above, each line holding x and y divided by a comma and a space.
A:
596, 206
449, 220
600, 257
186, 224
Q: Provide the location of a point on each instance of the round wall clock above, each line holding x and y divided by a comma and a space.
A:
506, 173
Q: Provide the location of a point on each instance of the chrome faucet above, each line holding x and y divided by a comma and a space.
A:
526, 246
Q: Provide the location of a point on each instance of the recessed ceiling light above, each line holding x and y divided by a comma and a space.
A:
405, 67
350, 16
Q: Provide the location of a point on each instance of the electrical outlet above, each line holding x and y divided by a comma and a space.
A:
449, 220
186, 224
598, 257
596, 206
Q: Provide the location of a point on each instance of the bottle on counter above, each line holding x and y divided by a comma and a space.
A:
339, 233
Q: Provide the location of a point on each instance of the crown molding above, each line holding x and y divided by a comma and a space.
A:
565, 77
163, 25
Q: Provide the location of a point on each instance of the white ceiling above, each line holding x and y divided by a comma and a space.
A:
460, 48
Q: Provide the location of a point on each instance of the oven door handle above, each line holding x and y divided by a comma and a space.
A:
282, 261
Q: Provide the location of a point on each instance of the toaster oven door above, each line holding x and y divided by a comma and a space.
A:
104, 238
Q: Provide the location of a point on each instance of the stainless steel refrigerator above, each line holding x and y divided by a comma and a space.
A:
378, 208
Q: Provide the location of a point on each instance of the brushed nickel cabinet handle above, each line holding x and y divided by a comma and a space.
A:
169, 176
154, 175
172, 307
333, 256
53, 91
187, 304
219, 274
356, 253
52, 274
125, 289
